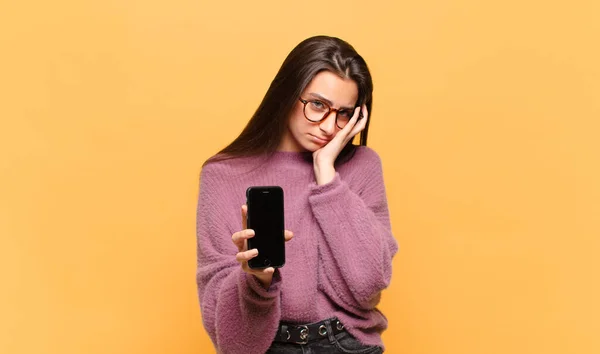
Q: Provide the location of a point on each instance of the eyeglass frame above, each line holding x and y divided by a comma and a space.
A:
331, 109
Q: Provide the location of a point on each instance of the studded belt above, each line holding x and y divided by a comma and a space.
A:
302, 334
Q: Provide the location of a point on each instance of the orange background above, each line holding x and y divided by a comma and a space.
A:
485, 116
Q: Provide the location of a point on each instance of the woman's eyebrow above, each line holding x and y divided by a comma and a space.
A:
316, 95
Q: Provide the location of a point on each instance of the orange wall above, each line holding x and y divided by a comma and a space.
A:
486, 117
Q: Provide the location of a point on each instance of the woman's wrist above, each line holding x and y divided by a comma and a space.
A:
324, 174
265, 281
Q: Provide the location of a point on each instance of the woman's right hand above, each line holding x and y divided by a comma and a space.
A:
240, 239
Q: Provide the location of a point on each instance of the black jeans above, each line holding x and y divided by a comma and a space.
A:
342, 342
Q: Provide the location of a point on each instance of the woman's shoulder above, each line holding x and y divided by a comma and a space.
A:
364, 162
215, 163
222, 166
365, 155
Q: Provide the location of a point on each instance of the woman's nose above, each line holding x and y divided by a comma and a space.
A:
327, 125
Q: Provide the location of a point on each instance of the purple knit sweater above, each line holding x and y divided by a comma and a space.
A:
337, 264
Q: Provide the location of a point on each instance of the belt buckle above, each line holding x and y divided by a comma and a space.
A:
303, 335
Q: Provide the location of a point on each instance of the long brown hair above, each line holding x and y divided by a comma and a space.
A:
264, 131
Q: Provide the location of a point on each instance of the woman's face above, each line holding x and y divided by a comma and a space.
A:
326, 88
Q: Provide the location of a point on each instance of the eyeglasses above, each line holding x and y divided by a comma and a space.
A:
315, 111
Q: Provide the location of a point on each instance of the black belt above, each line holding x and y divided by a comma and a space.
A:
302, 334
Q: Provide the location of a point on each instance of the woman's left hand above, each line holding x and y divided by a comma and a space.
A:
324, 158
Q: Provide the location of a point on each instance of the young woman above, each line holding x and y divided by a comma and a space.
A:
323, 300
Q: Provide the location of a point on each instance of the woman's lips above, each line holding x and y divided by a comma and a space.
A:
319, 140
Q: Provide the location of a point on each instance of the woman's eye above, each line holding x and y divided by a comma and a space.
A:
345, 114
317, 104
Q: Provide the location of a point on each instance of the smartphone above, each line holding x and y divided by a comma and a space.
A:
265, 217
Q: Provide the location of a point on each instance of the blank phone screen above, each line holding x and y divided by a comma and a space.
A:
265, 217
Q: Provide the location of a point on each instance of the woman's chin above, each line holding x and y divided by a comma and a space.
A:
311, 146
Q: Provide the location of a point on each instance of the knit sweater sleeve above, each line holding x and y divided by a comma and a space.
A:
239, 314
357, 250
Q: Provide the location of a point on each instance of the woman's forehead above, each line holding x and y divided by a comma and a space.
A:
339, 91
